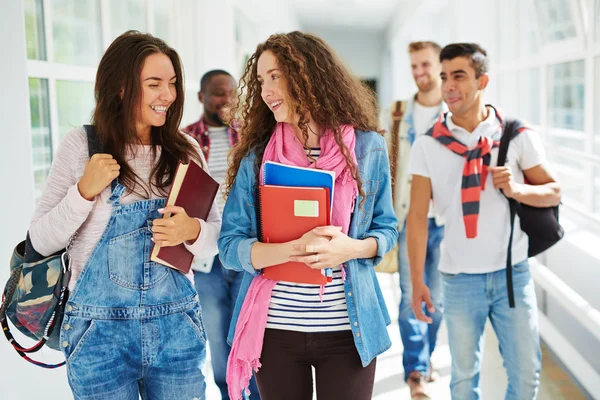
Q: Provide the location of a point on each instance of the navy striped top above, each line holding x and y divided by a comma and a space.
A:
299, 307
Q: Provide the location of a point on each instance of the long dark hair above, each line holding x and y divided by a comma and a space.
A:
318, 84
118, 96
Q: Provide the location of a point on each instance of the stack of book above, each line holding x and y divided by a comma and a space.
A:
294, 200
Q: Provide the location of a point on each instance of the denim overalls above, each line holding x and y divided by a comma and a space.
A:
131, 325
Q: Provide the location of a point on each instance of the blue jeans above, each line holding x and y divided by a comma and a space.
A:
218, 291
419, 338
469, 299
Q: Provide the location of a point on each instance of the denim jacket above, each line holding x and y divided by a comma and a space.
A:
374, 218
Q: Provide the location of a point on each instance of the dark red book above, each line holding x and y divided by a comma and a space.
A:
287, 213
194, 190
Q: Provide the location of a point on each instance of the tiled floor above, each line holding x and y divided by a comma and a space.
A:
21, 381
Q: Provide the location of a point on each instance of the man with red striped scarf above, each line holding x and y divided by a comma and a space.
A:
455, 164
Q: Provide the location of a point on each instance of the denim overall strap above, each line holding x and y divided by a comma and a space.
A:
117, 191
119, 281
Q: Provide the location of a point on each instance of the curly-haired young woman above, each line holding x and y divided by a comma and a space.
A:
303, 107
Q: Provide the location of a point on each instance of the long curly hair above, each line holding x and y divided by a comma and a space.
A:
319, 87
118, 93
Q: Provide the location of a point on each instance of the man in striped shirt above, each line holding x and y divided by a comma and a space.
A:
217, 287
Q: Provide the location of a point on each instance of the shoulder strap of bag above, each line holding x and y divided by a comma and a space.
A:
94, 147
397, 114
507, 135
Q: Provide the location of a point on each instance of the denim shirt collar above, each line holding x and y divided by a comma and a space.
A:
409, 117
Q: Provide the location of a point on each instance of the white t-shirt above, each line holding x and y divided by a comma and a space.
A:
423, 119
486, 252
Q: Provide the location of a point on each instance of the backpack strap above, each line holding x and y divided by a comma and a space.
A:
397, 114
94, 144
94, 147
508, 133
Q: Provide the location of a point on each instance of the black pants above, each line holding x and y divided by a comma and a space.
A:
287, 358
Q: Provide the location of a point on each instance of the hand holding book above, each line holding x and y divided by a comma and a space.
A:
175, 227
333, 249
191, 196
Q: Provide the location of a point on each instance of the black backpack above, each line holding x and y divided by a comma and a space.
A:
540, 224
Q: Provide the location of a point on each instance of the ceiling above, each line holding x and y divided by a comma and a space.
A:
361, 14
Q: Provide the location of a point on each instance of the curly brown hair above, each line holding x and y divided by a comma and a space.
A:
319, 87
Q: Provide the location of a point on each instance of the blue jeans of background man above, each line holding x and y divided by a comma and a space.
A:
469, 300
419, 338
218, 291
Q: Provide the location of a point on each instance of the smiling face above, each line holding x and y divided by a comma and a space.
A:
461, 89
273, 88
158, 92
426, 68
215, 97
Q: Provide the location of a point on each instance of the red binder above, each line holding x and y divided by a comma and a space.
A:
287, 213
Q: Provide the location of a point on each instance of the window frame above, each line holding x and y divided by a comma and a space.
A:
580, 48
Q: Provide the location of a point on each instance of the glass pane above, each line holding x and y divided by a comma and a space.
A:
529, 105
76, 30
126, 15
162, 20
508, 38
556, 20
569, 172
75, 101
41, 143
34, 29
528, 40
507, 93
566, 103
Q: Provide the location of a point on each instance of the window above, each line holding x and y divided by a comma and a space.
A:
556, 20
528, 40
162, 21
127, 15
529, 95
34, 27
76, 32
41, 132
506, 24
507, 93
75, 104
566, 104
569, 171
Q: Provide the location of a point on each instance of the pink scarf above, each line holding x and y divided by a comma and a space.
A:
286, 148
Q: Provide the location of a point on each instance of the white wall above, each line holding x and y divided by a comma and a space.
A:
16, 161
359, 49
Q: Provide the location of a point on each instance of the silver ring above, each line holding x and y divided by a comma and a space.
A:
316, 258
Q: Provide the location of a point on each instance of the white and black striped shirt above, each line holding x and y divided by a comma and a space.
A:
217, 160
298, 307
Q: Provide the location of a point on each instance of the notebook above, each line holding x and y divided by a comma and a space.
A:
287, 213
289, 175
194, 190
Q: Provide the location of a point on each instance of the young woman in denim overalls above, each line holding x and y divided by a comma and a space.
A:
304, 108
132, 327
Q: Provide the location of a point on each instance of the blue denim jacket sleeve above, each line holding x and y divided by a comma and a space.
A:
238, 229
384, 223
